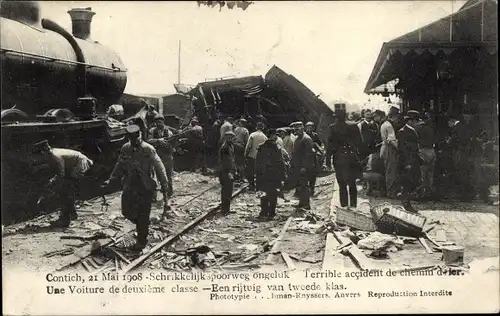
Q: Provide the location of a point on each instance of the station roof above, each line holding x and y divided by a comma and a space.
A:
473, 25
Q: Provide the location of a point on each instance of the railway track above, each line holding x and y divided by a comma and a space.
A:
112, 255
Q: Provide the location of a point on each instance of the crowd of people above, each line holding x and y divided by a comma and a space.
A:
408, 156
396, 155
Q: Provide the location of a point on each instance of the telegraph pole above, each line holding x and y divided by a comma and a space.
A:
179, 65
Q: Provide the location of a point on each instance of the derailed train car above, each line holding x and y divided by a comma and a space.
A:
278, 99
55, 86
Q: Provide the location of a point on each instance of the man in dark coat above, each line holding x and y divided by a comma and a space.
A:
345, 142
270, 174
460, 142
227, 169
318, 155
196, 138
302, 164
409, 158
165, 149
426, 138
369, 132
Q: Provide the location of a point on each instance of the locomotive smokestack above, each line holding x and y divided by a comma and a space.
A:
81, 19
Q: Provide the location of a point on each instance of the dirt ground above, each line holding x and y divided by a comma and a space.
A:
239, 238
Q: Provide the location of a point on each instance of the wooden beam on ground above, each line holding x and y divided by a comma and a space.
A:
119, 255
331, 246
288, 261
424, 244
276, 242
357, 255
134, 264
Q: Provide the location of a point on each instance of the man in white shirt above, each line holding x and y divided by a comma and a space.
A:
227, 126
255, 139
240, 142
69, 167
389, 152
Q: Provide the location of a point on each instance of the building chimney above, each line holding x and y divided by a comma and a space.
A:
81, 19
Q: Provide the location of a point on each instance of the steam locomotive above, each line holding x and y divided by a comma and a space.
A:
55, 86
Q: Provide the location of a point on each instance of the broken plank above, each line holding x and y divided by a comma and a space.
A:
93, 263
104, 267
288, 261
357, 255
251, 257
432, 241
424, 244
303, 259
174, 237
275, 242
330, 251
116, 252
360, 258
86, 266
431, 227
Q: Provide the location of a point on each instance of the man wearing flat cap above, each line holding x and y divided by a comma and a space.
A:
409, 158
69, 167
227, 169
164, 148
136, 164
303, 165
255, 139
240, 141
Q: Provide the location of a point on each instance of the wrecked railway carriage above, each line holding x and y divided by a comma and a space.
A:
279, 97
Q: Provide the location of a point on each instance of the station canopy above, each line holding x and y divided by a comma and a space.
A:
473, 27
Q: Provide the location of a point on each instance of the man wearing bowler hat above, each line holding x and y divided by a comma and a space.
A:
134, 168
409, 158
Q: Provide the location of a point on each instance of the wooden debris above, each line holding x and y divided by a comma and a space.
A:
424, 244
251, 257
303, 259
86, 266
288, 261
174, 237
275, 242
93, 263
119, 255
359, 258
63, 252
431, 227
432, 241
357, 255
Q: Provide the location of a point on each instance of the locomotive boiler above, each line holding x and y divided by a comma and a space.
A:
56, 85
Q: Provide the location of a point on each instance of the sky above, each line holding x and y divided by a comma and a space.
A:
331, 46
